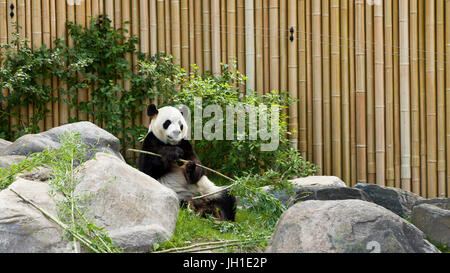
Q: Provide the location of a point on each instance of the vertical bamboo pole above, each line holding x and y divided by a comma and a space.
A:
274, 33
309, 80
153, 28
346, 176
71, 18
250, 44
360, 92
175, 30
135, 31
109, 10
21, 21
53, 35
14, 118
422, 101
198, 35
440, 90
241, 41
144, 45
283, 46
161, 26
447, 92
405, 123
371, 165
167, 26
207, 35
266, 46
389, 93
317, 86
61, 34
415, 117
215, 37
293, 72
82, 93
259, 46
379, 95
223, 31
326, 82
231, 37
28, 15
301, 15
95, 8
37, 39
184, 34
117, 14
396, 54
431, 97
126, 17
191, 34
352, 86
335, 89
3, 36
46, 39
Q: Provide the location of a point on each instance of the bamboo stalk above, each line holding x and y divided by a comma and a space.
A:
241, 41
4, 39
191, 35
360, 93
184, 15
15, 115
259, 46
109, 10
274, 45
80, 19
301, 15
21, 21
126, 17
215, 37
161, 26
250, 44
293, 72
447, 92
283, 47
379, 96
422, 101
396, 54
55, 93
326, 93
440, 89
175, 31
317, 86
206, 36
71, 18
309, 81
352, 86
117, 14
95, 8
37, 43
405, 123
198, 35
153, 28
371, 164
389, 93
144, 45
167, 26
415, 116
231, 31
223, 31
335, 90
46, 39
61, 34
431, 98
346, 158
266, 46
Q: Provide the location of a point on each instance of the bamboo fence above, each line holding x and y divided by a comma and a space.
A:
372, 78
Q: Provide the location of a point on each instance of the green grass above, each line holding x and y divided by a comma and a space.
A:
192, 229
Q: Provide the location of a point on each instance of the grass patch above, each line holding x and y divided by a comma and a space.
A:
248, 234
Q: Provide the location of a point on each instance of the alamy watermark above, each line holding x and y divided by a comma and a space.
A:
218, 127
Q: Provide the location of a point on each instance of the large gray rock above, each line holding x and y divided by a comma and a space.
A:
443, 203
7, 160
135, 209
434, 221
396, 200
4, 143
320, 181
92, 135
345, 226
23, 228
330, 193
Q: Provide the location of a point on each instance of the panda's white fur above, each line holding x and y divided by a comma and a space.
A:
175, 179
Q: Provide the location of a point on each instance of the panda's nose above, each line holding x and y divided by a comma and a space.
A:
176, 133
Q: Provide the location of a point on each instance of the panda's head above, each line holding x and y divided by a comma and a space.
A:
167, 124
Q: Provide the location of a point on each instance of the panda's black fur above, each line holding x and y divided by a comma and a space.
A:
187, 180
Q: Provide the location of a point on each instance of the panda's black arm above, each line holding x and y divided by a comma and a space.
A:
193, 173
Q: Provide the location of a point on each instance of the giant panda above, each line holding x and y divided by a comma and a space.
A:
167, 137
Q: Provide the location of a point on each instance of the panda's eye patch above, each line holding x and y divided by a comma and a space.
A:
166, 124
181, 127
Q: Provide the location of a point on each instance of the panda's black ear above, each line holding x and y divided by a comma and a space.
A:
152, 110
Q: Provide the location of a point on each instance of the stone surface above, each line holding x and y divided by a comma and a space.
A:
345, 226
330, 193
331, 181
23, 228
443, 203
4, 143
434, 221
7, 160
396, 200
135, 209
92, 135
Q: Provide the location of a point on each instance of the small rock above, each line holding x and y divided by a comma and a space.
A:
345, 226
434, 221
331, 181
396, 200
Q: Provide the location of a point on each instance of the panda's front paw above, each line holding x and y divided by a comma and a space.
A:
174, 154
190, 167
